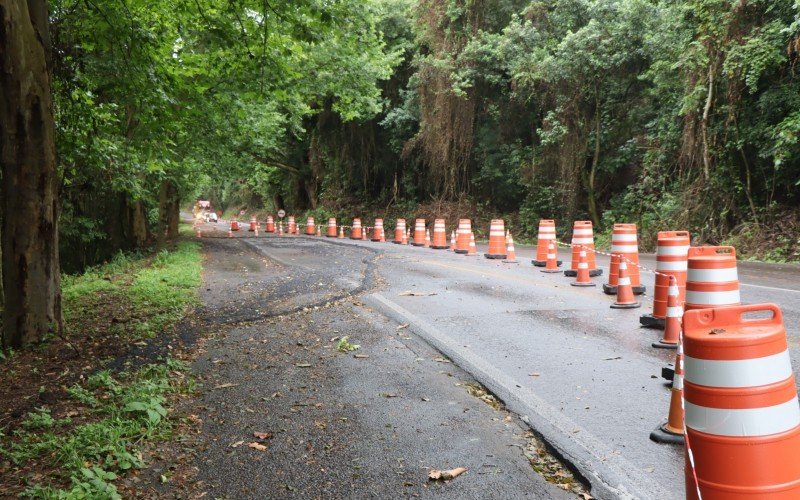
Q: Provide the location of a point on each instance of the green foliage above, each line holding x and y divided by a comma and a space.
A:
344, 345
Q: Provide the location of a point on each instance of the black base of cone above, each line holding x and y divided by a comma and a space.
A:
668, 372
542, 263
418, 244
357, 239
662, 435
633, 305
329, 236
650, 321
574, 272
376, 241
665, 345
494, 256
549, 271
440, 248
612, 290
582, 284
463, 252
397, 242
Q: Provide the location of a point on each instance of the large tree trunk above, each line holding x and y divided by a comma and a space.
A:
29, 186
168, 212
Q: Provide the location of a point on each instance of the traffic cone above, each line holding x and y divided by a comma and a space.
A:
583, 238
427, 243
672, 430
255, 231
551, 265
453, 241
473, 250
625, 299
405, 238
583, 278
547, 234
511, 253
672, 330
364, 232
319, 230
280, 228
230, 233
341, 232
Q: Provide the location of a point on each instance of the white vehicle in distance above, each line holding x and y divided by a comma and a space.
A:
210, 217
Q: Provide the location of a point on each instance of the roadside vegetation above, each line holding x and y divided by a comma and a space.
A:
81, 411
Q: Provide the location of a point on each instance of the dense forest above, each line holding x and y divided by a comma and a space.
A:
671, 114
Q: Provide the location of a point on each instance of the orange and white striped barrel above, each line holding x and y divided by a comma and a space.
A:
419, 233
291, 225
497, 240
547, 233
583, 238
253, 224
355, 231
624, 245
270, 227
439, 241
377, 231
331, 228
712, 279
463, 236
310, 231
234, 225
672, 252
399, 231
742, 413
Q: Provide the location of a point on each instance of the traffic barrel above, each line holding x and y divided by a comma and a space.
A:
551, 265
310, 226
377, 231
399, 231
234, 225
672, 430
672, 252
463, 235
355, 231
625, 299
253, 224
439, 241
672, 330
712, 279
583, 237
583, 278
497, 240
331, 228
742, 414
291, 225
270, 227
624, 246
511, 252
419, 233
547, 233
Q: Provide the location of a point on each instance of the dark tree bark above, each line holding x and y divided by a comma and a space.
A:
29, 228
168, 212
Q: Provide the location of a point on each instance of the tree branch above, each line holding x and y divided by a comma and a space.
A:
271, 162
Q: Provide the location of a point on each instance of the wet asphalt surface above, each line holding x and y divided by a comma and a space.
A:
339, 426
595, 368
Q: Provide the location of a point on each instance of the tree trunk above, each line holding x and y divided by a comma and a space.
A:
590, 192
168, 213
29, 187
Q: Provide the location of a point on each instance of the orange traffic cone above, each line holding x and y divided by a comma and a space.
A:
341, 232
625, 298
405, 237
583, 278
364, 234
672, 331
230, 233
255, 231
319, 230
551, 265
497, 247
672, 430
511, 253
453, 241
280, 228
473, 250
427, 243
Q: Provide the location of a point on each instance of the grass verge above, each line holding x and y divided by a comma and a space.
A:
72, 427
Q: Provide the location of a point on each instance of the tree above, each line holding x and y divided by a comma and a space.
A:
31, 279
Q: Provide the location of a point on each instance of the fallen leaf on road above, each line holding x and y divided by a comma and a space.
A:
445, 475
409, 293
225, 386
262, 435
441, 360
360, 356
404, 325
257, 446
303, 365
334, 339
534, 374
237, 444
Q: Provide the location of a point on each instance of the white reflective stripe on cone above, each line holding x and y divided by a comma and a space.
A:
740, 372
712, 298
583, 265
624, 281
675, 312
713, 275
497, 232
672, 266
672, 250
551, 256
749, 422
583, 241
622, 237
582, 232
677, 382
624, 249
547, 230
547, 236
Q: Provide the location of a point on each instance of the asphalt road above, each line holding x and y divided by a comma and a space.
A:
583, 375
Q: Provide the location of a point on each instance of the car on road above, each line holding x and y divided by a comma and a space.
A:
210, 217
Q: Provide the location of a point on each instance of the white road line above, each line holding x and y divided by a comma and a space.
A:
770, 288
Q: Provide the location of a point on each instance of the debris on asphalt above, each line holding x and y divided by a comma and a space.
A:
445, 475
257, 446
409, 293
